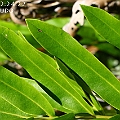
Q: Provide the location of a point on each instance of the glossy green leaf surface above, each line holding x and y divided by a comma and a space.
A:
54, 104
49, 59
104, 23
3, 57
18, 99
43, 71
62, 45
116, 117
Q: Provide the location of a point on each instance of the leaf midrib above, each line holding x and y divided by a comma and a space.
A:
49, 76
22, 94
16, 107
105, 23
81, 60
13, 114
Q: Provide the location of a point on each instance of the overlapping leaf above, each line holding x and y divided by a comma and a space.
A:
54, 104
41, 70
19, 99
62, 45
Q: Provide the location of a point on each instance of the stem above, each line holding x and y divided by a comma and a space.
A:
44, 118
92, 117
100, 116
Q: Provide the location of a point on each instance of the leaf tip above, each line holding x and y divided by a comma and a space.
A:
83, 6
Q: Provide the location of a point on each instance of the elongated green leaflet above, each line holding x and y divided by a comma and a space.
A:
44, 72
20, 99
104, 23
54, 103
62, 45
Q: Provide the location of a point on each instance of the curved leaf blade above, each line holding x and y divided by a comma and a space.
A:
104, 23
42, 71
54, 104
20, 99
94, 73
